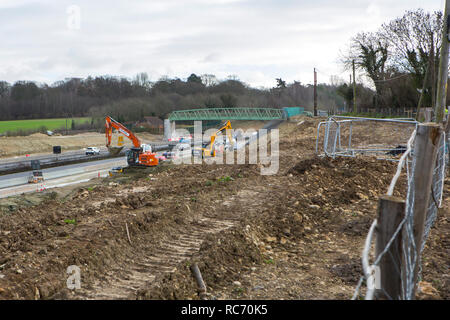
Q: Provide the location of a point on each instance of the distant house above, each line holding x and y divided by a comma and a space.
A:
151, 122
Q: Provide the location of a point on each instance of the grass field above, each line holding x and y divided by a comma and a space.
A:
36, 124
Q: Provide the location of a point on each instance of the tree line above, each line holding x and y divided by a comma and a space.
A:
130, 100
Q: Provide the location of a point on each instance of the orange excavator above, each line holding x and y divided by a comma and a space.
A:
139, 155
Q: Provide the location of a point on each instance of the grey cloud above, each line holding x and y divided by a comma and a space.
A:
255, 39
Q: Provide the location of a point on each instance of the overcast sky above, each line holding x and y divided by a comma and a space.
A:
257, 40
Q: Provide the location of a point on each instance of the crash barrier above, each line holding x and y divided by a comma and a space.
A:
52, 161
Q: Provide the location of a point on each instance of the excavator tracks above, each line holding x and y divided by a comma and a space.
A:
124, 282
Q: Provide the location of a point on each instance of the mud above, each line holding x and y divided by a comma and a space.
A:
294, 235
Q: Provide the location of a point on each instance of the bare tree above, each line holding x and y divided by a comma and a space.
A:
142, 80
401, 50
209, 79
412, 38
415, 39
369, 51
4, 88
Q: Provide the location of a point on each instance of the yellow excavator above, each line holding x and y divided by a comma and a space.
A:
208, 149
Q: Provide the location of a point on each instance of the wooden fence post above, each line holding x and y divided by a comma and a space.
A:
426, 148
391, 211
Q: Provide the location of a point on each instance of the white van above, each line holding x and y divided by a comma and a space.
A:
92, 151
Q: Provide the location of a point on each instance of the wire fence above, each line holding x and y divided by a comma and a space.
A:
410, 255
352, 136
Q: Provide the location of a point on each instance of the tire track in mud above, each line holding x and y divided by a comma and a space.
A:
124, 282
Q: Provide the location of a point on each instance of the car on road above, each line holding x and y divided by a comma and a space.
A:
92, 151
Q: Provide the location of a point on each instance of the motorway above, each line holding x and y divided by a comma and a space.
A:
23, 163
45, 156
17, 183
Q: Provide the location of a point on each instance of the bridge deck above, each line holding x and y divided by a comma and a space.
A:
228, 114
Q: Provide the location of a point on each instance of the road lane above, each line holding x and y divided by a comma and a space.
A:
17, 183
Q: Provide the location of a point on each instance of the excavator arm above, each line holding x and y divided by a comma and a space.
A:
227, 127
111, 123
209, 150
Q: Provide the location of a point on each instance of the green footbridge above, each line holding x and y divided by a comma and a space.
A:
228, 114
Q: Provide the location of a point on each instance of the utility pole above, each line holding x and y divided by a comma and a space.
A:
315, 92
433, 72
424, 87
350, 108
443, 68
354, 88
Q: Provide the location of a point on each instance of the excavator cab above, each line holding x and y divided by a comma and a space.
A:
133, 156
209, 149
206, 150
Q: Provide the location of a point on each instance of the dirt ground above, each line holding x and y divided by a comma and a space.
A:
294, 235
40, 143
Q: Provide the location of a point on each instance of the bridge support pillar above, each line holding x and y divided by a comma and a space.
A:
172, 128
169, 129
